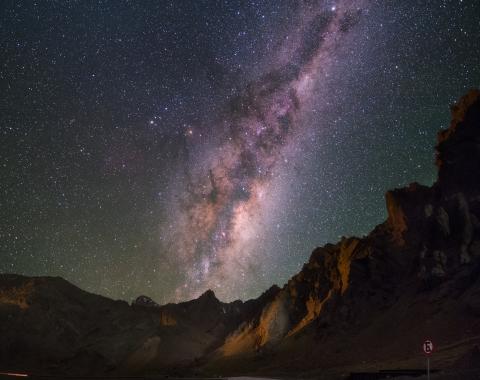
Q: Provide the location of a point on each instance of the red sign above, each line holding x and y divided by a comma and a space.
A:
428, 347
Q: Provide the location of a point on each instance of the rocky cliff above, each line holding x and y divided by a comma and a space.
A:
363, 303
415, 275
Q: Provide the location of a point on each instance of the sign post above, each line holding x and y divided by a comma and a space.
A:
428, 349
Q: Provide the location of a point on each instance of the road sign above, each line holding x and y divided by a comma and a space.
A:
428, 347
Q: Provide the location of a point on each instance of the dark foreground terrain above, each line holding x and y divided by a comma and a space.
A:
363, 304
443, 375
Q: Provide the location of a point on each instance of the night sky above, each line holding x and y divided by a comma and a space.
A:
164, 148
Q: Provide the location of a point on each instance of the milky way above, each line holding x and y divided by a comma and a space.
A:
164, 148
218, 223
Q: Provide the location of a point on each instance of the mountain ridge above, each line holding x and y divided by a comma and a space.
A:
413, 276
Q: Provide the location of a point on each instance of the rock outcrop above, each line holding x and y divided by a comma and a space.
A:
144, 301
362, 303
458, 148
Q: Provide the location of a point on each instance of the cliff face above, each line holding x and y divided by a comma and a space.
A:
362, 303
442, 222
458, 157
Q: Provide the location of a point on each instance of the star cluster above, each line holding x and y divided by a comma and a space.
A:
164, 148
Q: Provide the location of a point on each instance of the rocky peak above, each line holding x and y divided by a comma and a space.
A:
209, 294
458, 148
271, 292
209, 297
144, 301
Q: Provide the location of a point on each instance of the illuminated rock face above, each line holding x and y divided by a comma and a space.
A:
404, 207
414, 275
17, 294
